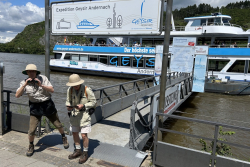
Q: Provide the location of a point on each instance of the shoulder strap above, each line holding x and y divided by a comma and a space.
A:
86, 92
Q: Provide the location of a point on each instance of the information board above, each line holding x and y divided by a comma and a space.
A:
182, 57
112, 17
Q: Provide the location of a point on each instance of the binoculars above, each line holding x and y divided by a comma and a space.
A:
32, 81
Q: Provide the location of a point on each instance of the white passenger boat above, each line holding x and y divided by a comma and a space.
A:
225, 61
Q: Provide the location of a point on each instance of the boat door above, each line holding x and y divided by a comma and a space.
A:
247, 71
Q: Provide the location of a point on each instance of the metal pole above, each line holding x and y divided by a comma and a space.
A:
1, 98
165, 62
47, 49
215, 144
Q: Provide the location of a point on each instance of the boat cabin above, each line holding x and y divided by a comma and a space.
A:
216, 19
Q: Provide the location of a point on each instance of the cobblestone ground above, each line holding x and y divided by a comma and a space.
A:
17, 143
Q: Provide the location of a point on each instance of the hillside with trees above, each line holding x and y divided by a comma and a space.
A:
32, 39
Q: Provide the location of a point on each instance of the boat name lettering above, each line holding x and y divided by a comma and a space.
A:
73, 63
124, 60
145, 71
139, 50
111, 62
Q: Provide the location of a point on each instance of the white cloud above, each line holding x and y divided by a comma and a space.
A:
13, 19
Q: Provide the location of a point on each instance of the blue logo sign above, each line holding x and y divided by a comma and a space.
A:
142, 20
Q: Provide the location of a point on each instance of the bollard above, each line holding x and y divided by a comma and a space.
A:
1, 98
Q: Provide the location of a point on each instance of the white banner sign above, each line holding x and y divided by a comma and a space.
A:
113, 17
201, 50
182, 59
184, 41
158, 59
200, 67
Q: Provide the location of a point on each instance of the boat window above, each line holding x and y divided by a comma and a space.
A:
58, 55
226, 21
67, 57
217, 64
217, 21
83, 57
138, 61
93, 58
210, 22
113, 61
248, 62
150, 62
75, 57
104, 59
203, 22
196, 23
125, 61
238, 66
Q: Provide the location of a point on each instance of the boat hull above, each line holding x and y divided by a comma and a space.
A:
233, 88
98, 73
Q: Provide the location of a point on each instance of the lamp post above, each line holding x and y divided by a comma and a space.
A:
47, 51
164, 64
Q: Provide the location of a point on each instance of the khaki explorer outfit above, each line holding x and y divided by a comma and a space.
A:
80, 120
40, 104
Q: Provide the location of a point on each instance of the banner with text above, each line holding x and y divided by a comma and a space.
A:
200, 67
113, 17
182, 58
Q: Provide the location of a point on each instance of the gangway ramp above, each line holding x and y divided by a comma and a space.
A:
118, 130
109, 140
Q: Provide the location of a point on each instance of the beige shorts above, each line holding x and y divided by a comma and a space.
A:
84, 129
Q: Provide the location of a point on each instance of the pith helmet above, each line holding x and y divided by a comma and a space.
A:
31, 67
74, 80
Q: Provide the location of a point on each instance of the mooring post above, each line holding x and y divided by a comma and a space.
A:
164, 64
1, 98
47, 50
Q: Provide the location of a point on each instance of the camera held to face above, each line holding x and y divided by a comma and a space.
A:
32, 81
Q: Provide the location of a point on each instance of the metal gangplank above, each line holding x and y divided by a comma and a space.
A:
116, 135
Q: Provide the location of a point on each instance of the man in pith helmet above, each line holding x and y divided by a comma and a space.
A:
39, 89
80, 102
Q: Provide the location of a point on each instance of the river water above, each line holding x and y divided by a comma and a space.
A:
233, 110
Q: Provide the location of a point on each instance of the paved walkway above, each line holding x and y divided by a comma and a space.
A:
13, 146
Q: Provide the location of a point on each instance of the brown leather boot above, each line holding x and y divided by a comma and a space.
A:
84, 157
75, 154
65, 142
30, 150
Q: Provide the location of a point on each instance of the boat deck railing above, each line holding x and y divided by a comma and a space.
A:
247, 45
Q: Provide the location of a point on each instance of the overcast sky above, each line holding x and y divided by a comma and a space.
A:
16, 14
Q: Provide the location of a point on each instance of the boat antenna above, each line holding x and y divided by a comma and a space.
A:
220, 9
